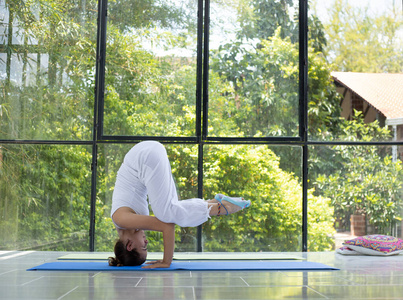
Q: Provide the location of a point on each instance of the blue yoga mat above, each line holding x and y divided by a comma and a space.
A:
190, 265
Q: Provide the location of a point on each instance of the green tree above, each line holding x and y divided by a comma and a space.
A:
274, 220
48, 187
265, 95
58, 42
148, 13
360, 41
139, 81
261, 65
45, 197
262, 18
48, 96
364, 179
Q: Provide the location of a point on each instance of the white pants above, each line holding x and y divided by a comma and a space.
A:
146, 171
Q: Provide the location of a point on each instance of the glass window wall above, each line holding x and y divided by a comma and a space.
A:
355, 71
354, 182
226, 87
183, 160
150, 80
273, 222
254, 69
45, 197
47, 67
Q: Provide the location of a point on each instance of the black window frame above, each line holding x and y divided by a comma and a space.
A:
202, 138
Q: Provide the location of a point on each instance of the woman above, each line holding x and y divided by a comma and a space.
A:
146, 171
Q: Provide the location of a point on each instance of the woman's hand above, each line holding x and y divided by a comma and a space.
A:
157, 264
168, 234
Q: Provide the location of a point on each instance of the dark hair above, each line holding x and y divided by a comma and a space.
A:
124, 257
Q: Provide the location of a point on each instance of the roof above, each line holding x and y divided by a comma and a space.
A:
384, 91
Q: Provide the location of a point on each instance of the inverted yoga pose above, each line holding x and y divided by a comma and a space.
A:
146, 171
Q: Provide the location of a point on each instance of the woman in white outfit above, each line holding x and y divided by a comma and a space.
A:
146, 171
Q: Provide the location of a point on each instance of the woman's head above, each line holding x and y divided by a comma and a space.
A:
130, 249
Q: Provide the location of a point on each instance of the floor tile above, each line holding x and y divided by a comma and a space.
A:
130, 293
362, 277
361, 292
193, 281
256, 293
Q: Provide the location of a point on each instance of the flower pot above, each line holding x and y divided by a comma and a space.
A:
357, 225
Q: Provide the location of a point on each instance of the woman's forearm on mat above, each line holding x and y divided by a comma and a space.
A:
169, 242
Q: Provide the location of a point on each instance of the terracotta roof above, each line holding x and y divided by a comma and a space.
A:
384, 91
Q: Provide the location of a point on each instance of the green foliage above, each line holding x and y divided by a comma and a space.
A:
263, 76
146, 13
323, 101
255, 23
142, 90
40, 104
265, 88
262, 93
273, 222
366, 181
362, 42
46, 217
46, 189
253, 91
320, 223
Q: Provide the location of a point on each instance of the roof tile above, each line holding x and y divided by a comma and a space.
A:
384, 91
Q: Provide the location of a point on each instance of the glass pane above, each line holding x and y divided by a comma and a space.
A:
353, 180
355, 70
183, 160
47, 69
151, 68
45, 197
254, 72
274, 220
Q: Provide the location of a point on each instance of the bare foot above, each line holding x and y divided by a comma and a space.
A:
225, 207
231, 208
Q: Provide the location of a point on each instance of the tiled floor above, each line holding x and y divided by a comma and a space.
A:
359, 277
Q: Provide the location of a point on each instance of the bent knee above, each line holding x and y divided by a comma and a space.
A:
155, 153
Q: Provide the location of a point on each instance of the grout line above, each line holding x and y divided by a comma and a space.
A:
28, 282
244, 281
317, 291
284, 273
348, 281
190, 274
183, 286
8, 272
194, 292
67, 293
16, 255
138, 282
